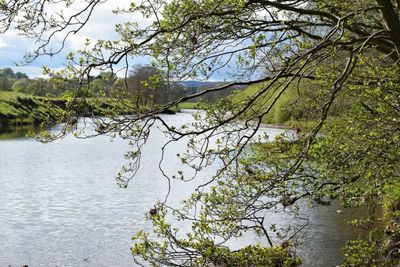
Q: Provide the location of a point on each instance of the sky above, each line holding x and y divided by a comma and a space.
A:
101, 25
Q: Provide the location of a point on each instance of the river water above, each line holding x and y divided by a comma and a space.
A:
61, 206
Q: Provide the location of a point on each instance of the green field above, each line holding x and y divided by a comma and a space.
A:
189, 105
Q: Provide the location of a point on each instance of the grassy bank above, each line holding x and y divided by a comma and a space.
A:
189, 105
280, 114
17, 109
21, 109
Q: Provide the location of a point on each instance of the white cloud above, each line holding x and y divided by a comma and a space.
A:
102, 23
4, 44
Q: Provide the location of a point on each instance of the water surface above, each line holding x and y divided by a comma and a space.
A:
61, 206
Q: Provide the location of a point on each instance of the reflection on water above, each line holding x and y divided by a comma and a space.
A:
60, 206
18, 132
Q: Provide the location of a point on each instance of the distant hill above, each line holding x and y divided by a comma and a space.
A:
192, 87
199, 83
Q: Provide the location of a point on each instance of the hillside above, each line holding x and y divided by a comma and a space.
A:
281, 113
18, 109
22, 109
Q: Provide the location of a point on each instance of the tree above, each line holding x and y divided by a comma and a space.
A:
42, 87
21, 86
145, 86
7, 72
342, 58
103, 85
20, 75
5, 83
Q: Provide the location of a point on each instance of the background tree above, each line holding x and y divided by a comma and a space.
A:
7, 72
13, 81
104, 84
6, 79
145, 86
42, 87
5, 83
21, 86
20, 75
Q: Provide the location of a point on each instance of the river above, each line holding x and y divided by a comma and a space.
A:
61, 206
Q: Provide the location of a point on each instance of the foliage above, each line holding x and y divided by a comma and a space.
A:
359, 253
9, 73
8, 78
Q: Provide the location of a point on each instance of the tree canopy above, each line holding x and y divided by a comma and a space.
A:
340, 59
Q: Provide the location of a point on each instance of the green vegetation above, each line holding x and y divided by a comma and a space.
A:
354, 160
18, 109
33, 101
189, 105
21, 109
282, 112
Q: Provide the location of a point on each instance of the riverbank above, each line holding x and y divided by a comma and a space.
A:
189, 105
17, 109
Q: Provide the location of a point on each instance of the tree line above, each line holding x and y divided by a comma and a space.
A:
145, 85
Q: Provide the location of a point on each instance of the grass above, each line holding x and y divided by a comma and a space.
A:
109, 106
279, 114
189, 105
23, 109
18, 109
